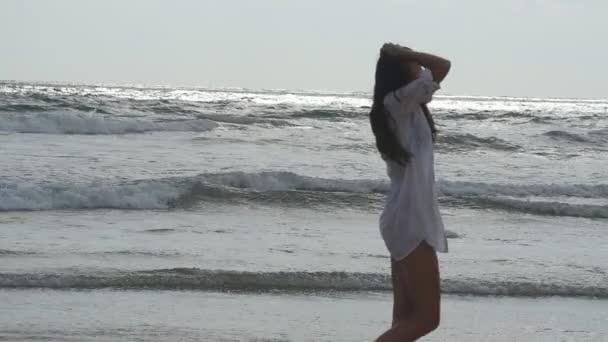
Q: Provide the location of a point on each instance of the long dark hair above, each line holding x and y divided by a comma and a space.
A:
390, 76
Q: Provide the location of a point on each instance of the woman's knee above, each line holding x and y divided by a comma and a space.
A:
428, 321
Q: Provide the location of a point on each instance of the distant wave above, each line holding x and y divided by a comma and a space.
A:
92, 123
566, 136
7, 252
516, 198
282, 180
465, 189
600, 132
22, 253
475, 116
246, 120
540, 207
225, 103
22, 107
137, 253
592, 136
330, 114
448, 142
497, 116
541, 116
524, 114
223, 280
290, 189
467, 141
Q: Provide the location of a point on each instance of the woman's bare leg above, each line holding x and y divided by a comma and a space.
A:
420, 270
402, 303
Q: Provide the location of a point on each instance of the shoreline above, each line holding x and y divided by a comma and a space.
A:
104, 315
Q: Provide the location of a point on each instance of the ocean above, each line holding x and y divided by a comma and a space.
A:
133, 213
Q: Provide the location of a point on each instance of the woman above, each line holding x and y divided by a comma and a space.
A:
410, 223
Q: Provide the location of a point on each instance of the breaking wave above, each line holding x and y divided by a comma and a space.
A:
290, 189
223, 280
92, 123
470, 141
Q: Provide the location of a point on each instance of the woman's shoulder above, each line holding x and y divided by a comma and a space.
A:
417, 92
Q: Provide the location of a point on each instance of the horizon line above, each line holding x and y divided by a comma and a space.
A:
293, 90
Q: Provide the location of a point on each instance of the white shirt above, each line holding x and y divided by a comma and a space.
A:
411, 214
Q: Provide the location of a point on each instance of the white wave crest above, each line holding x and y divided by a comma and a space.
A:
140, 195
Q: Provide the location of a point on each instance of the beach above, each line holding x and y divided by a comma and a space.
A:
107, 315
165, 213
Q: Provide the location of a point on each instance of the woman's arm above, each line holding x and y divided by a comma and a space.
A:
439, 66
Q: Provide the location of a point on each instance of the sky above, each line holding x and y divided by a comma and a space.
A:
532, 48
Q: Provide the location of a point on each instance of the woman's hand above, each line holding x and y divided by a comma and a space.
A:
439, 67
396, 50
